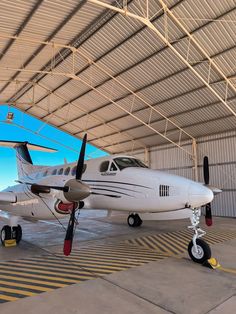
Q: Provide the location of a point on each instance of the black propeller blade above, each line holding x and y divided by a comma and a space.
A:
206, 170
69, 233
80, 164
208, 215
70, 229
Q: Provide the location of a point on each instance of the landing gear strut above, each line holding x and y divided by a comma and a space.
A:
11, 233
134, 220
198, 249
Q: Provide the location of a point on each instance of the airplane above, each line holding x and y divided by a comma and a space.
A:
116, 182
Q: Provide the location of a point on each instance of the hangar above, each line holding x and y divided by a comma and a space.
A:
154, 79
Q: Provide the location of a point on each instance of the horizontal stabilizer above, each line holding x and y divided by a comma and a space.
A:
29, 145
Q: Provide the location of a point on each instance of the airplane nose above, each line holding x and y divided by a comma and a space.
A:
199, 195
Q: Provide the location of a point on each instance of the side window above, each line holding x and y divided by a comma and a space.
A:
104, 166
67, 171
60, 171
54, 172
45, 173
113, 167
73, 171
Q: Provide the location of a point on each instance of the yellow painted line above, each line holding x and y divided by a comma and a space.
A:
17, 291
176, 242
16, 284
35, 268
176, 238
38, 276
170, 246
227, 270
125, 255
128, 250
47, 283
160, 245
7, 298
223, 233
62, 264
23, 270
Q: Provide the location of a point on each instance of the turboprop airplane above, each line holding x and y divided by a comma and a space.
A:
117, 182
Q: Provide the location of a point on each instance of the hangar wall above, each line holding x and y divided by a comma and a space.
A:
221, 150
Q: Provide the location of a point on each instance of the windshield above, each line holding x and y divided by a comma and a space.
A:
125, 162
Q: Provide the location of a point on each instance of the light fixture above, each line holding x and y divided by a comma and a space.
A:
10, 116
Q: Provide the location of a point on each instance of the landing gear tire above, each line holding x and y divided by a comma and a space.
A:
17, 233
203, 251
134, 220
5, 234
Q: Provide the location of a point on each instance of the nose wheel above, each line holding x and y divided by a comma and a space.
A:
134, 220
201, 252
198, 249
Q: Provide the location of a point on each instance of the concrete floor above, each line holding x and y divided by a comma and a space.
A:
171, 285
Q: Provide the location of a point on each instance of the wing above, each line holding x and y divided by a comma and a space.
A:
7, 198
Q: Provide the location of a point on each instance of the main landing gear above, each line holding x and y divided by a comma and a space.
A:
11, 233
134, 220
198, 249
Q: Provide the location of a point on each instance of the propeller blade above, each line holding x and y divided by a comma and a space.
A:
69, 234
80, 164
206, 170
208, 216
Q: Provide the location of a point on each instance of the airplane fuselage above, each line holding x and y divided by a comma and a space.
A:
131, 189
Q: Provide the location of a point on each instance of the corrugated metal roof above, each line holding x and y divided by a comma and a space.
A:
135, 76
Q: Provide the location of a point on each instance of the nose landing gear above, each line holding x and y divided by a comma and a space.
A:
198, 249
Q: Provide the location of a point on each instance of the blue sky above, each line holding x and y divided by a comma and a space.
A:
49, 136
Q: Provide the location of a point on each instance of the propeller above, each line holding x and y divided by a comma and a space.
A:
208, 215
77, 190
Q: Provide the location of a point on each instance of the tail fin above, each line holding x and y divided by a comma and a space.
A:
24, 162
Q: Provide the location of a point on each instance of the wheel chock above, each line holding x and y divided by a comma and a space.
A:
9, 243
212, 263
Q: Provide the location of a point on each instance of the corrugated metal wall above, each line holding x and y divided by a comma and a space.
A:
221, 150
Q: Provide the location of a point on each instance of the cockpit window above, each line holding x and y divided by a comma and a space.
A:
125, 162
104, 166
113, 167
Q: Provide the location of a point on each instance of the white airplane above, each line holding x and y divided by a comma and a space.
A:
121, 183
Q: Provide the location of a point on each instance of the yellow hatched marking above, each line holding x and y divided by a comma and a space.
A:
178, 245
77, 261
38, 276
62, 263
178, 240
35, 268
125, 255
16, 284
23, 271
22, 292
48, 283
170, 246
161, 245
224, 235
125, 251
8, 298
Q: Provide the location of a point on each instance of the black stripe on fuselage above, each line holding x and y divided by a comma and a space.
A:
118, 182
108, 190
92, 185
